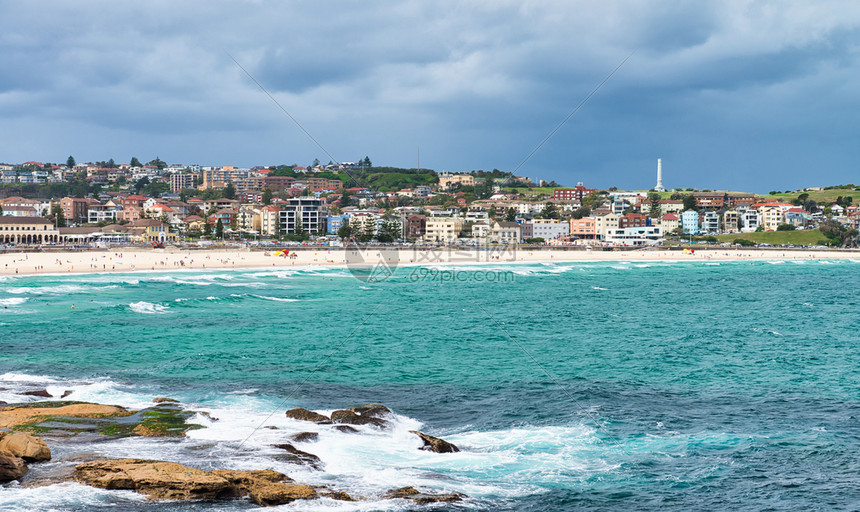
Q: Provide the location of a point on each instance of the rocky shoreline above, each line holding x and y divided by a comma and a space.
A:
61, 421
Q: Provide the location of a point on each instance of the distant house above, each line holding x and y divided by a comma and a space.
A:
710, 222
690, 222
583, 228
508, 233
670, 222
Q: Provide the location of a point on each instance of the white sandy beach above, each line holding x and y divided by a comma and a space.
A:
130, 259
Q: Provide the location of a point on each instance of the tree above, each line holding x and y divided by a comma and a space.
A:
70, 162
366, 162
135, 162
219, 229
345, 231
582, 211
390, 230
510, 215
491, 212
58, 217
550, 211
299, 231
207, 228
267, 196
161, 164
229, 191
786, 227
837, 234
111, 164
141, 183
690, 202
344, 200
316, 162
656, 209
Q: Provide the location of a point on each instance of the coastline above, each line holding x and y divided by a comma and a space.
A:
131, 259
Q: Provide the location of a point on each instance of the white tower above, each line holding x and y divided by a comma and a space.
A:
659, 187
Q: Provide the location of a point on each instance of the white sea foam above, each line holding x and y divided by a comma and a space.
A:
66, 496
147, 308
599, 288
99, 390
63, 289
278, 299
13, 301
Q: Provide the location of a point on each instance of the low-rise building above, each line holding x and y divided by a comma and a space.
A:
603, 223
572, 194
448, 180
545, 228
642, 235
508, 233
731, 221
27, 230
583, 228
710, 222
308, 211
670, 222
442, 230
690, 222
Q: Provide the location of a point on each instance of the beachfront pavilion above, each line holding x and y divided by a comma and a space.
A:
27, 230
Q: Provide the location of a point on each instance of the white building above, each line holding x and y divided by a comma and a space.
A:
644, 235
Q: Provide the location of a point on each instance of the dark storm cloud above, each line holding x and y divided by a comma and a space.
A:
738, 94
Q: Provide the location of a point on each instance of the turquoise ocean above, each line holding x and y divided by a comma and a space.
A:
567, 386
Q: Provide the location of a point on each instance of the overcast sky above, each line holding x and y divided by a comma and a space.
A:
731, 94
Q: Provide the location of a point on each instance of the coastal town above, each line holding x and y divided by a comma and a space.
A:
104, 203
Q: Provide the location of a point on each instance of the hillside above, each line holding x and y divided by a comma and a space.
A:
805, 237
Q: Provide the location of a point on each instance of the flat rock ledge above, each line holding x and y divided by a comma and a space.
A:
172, 481
422, 498
20, 415
434, 444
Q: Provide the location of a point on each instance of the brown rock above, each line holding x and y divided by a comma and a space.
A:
266, 487
346, 429
368, 414
434, 444
25, 446
167, 480
40, 393
403, 492
336, 495
11, 468
272, 494
19, 415
371, 410
163, 480
297, 456
161, 400
67, 393
305, 437
246, 478
422, 498
144, 431
349, 417
306, 415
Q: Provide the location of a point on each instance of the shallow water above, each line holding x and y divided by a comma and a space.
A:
678, 386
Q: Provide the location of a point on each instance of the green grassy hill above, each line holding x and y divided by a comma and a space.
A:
806, 237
